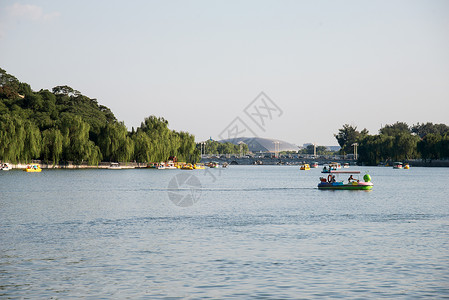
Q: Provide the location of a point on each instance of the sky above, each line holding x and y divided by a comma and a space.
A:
290, 70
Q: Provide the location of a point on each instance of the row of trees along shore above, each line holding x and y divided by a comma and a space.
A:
396, 142
64, 125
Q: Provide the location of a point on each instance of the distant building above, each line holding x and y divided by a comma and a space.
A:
257, 144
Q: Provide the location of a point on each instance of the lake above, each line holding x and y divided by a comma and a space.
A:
245, 232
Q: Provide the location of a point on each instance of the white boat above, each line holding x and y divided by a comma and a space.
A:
5, 167
397, 165
114, 166
170, 165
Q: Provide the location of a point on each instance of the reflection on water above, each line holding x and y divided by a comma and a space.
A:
255, 232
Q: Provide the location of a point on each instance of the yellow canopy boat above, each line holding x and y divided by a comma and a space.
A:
33, 168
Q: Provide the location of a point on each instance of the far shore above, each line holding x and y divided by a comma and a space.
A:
230, 161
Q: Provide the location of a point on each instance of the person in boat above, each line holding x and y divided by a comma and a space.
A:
352, 179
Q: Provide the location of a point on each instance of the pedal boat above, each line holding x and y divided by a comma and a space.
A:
187, 167
397, 165
353, 183
305, 167
33, 168
199, 166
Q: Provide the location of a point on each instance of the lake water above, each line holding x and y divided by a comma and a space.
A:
243, 232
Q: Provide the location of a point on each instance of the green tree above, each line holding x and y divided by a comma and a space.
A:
347, 136
114, 142
394, 129
429, 146
32, 142
425, 128
142, 146
52, 142
76, 146
12, 137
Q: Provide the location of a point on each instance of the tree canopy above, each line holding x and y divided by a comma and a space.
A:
65, 125
398, 142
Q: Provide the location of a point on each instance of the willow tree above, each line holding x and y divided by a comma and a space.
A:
186, 148
32, 142
12, 135
142, 146
52, 142
75, 134
114, 142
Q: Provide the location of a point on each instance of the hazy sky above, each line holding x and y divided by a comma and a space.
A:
200, 64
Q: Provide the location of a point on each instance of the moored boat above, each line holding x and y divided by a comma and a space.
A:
170, 165
5, 167
187, 167
199, 166
331, 183
114, 166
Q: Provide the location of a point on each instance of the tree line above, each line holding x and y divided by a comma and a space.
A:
214, 147
396, 142
64, 125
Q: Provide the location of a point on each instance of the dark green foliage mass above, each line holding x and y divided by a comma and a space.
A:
398, 142
64, 125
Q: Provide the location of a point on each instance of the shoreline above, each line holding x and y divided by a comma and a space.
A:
231, 161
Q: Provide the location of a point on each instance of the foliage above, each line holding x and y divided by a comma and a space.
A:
63, 124
214, 147
320, 150
423, 129
395, 129
347, 136
400, 142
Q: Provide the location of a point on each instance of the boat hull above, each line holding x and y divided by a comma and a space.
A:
349, 186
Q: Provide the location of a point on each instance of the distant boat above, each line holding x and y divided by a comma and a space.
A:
33, 168
170, 165
314, 165
331, 167
332, 183
406, 166
213, 164
199, 166
305, 167
187, 167
5, 167
114, 166
397, 165
346, 165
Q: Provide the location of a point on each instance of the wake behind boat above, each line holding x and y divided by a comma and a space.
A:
353, 183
